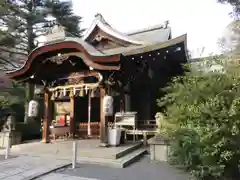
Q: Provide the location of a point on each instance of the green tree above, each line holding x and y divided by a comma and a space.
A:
23, 21
202, 113
235, 4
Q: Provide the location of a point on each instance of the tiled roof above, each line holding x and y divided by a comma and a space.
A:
144, 40
100, 22
150, 36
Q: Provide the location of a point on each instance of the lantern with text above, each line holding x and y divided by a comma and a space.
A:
108, 105
33, 109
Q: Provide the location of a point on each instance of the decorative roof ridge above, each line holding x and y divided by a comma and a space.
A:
103, 25
100, 17
165, 25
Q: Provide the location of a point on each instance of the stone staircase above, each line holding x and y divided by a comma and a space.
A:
118, 157
120, 160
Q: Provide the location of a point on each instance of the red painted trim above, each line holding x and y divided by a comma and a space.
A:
53, 47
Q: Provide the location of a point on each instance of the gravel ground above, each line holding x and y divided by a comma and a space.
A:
144, 169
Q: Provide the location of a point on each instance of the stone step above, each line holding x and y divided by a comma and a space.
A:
128, 150
121, 162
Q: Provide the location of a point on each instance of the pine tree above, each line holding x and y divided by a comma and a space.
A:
23, 21
235, 4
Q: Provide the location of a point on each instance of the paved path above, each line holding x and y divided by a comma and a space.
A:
27, 167
58, 176
142, 170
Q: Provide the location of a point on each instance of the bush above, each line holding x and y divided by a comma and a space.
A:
13, 99
204, 109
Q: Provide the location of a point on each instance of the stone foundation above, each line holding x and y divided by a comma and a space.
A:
159, 149
15, 138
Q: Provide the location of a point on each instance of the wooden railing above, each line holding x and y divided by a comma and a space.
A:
82, 129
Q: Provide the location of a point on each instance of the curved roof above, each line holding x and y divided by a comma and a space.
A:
69, 43
149, 35
145, 40
100, 22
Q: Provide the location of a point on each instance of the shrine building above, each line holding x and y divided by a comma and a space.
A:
77, 73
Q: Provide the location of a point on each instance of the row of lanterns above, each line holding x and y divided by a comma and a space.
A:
107, 105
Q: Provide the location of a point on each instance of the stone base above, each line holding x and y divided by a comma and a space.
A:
159, 152
15, 136
159, 149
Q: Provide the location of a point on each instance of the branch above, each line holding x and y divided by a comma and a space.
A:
11, 51
7, 62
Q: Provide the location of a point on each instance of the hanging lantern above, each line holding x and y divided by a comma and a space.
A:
33, 108
108, 105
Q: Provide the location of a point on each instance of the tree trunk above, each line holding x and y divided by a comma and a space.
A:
31, 46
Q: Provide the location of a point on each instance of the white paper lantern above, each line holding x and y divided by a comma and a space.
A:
33, 108
108, 105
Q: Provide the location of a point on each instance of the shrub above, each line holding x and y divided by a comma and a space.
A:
13, 99
204, 109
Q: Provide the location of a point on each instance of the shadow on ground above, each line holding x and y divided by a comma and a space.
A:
144, 169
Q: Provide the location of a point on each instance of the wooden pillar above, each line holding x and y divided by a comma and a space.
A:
127, 99
47, 117
103, 121
72, 117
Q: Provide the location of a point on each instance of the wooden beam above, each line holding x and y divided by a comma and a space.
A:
103, 121
47, 117
72, 117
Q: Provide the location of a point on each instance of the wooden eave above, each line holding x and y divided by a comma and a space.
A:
62, 45
149, 48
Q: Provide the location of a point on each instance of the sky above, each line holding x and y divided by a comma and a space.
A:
204, 21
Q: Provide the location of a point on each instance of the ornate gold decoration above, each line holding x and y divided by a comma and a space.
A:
98, 37
59, 59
